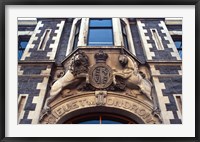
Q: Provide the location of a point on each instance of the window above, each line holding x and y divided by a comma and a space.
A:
124, 35
76, 34
157, 39
100, 32
178, 42
22, 43
21, 104
179, 103
44, 39
22, 99
100, 119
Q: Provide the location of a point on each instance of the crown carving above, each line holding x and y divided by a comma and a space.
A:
101, 56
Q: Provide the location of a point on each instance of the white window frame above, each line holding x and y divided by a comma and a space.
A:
129, 35
72, 36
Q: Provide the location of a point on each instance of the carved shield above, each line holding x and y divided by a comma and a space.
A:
100, 76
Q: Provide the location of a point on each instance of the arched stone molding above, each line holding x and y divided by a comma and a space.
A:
117, 103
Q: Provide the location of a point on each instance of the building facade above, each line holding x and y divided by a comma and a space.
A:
100, 71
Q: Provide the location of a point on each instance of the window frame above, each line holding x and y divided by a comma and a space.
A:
124, 35
129, 35
76, 34
100, 27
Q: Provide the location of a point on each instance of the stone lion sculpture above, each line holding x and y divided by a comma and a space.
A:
77, 72
132, 76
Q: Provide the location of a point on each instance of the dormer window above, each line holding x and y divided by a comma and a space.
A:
100, 32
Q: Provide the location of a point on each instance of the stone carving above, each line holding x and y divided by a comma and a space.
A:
60, 74
102, 98
101, 56
156, 113
79, 64
132, 76
85, 87
120, 84
100, 95
78, 72
100, 73
66, 93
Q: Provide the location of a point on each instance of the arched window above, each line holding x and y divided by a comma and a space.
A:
100, 118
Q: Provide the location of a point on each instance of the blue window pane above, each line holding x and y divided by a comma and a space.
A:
180, 53
110, 122
100, 32
100, 23
178, 44
21, 48
20, 53
100, 37
90, 122
23, 44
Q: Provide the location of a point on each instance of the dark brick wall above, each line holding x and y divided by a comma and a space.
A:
174, 27
160, 55
28, 85
168, 69
26, 28
173, 85
42, 55
32, 69
62, 47
137, 43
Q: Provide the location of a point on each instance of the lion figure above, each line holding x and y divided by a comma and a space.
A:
132, 76
77, 72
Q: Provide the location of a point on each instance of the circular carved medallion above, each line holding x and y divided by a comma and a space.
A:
100, 75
